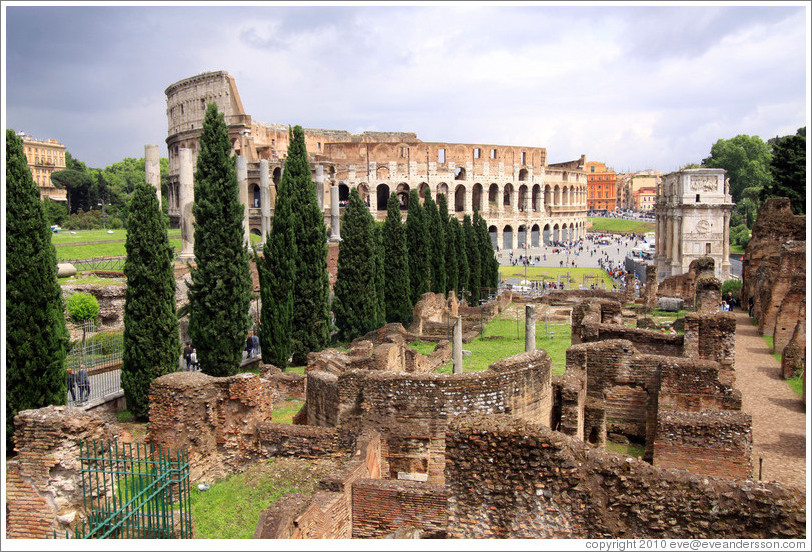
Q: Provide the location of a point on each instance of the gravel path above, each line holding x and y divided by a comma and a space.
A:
779, 419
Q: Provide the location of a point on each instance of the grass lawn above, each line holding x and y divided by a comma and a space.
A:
65, 236
423, 347
284, 411
503, 337
230, 508
796, 383
736, 248
619, 226
628, 449
108, 249
541, 273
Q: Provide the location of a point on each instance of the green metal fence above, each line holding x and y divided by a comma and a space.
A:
136, 491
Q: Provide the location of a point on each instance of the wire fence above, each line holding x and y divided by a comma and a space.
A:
99, 354
97, 263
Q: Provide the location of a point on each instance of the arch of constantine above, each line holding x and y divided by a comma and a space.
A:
523, 199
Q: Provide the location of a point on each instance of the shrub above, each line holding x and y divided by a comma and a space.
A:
55, 211
82, 307
732, 286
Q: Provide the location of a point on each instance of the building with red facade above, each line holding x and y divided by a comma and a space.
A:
601, 185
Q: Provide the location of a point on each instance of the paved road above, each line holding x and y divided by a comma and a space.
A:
779, 420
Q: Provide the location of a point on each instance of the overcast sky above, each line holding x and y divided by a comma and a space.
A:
636, 87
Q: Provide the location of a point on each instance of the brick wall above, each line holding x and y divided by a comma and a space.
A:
301, 441
712, 336
381, 506
43, 482
509, 478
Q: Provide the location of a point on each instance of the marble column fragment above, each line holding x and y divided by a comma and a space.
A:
529, 328
152, 166
242, 183
335, 222
186, 194
456, 352
265, 196
320, 186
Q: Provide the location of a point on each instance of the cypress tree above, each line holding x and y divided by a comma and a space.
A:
489, 264
450, 247
436, 231
397, 290
463, 269
220, 292
472, 250
311, 309
36, 336
380, 301
355, 289
151, 345
277, 274
417, 244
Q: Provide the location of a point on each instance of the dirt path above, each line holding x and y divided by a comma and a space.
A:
779, 418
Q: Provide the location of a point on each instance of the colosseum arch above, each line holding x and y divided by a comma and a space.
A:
523, 175
382, 193
557, 195
572, 232
534, 236
507, 193
522, 198
556, 235
521, 236
459, 173
545, 234
442, 189
363, 191
476, 197
459, 199
564, 234
536, 201
382, 173
343, 194
494, 236
254, 196
565, 195
403, 195
277, 175
548, 195
507, 237
421, 190
493, 194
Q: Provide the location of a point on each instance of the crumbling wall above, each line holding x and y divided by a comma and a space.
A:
215, 419
787, 282
712, 336
380, 506
287, 385
532, 482
651, 289
790, 312
793, 360
110, 298
708, 295
44, 481
684, 285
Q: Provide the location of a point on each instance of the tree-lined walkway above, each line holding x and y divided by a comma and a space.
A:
779, 420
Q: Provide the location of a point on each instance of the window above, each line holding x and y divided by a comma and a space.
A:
404, 151
441, 155
707, 249
524, 158
493, 153
697, 198
318, 145
592, 169
477, 153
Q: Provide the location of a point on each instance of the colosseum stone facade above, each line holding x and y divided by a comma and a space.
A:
522, 198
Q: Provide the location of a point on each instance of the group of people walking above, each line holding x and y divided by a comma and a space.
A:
79, 381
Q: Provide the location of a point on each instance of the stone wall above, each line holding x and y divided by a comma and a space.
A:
287, 384
380, 506
411, 410
509, 478
301, 441
110, 298
684, 285
216, 419
44, 481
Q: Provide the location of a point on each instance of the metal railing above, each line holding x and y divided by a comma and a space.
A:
101, 354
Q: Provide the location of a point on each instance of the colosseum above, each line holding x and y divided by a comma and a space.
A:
513, 187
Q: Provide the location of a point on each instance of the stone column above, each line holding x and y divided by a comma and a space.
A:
725, 268
529, 328
186, 194
500, 241
456, 350
152, 166
335, 219
469, 200
514, 238
265, 196
500, 202
242, 183
676, 258
320, 186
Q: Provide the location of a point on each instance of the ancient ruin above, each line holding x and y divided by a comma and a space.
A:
522, 197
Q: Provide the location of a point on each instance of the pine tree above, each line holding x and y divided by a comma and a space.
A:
397, 290
450, 248
436, 231
463, 269
220, 292
277, 274
355, 289
474, 260
36, 336
151, 345
311, 310
418, 246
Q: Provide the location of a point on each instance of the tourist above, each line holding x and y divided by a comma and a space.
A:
187, 350
194, 366
72, 384
249, 345
83, 383
254, 345
750, 307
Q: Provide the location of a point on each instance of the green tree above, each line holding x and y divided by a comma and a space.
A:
488, 263
80, 188
356, 294
277, 274
417, 244
380, 299
788, 169
82, 307
55, 211
450, 238
151, 344
220, 292
311, 311
472, 250
746, 160
36, 336
436, 230
463, 267
397, 290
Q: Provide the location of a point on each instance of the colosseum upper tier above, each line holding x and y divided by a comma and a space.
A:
522, 197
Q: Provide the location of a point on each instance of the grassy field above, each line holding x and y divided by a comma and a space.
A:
619, 226
230, 508
540, 273
283, 412
504, 337
66, 236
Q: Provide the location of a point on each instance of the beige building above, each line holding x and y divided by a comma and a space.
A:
45, 157
644, 198
522, 197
